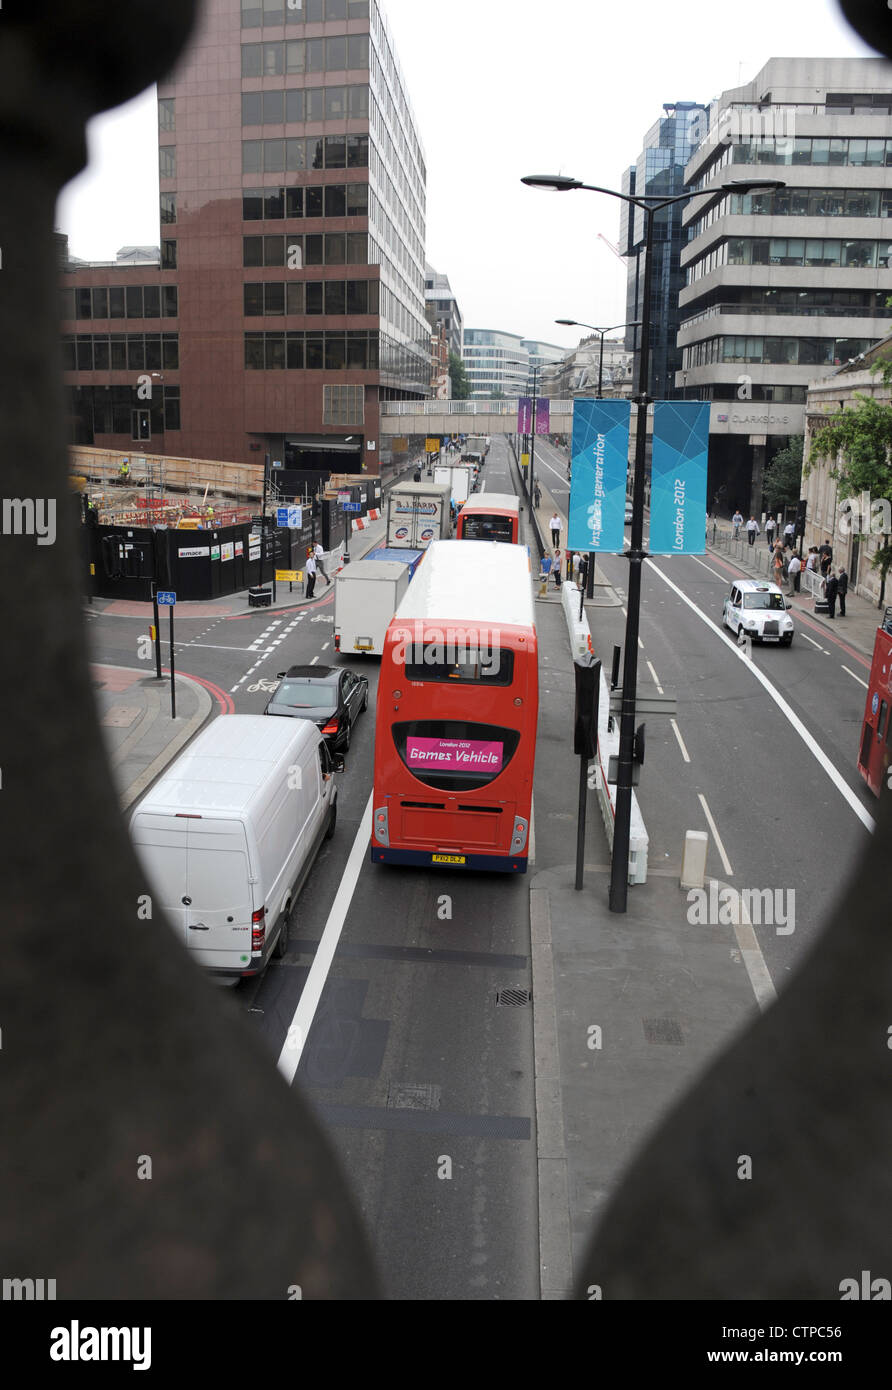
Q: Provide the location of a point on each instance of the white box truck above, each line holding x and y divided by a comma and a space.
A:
366, 596
418, 513
460, 477
228, 835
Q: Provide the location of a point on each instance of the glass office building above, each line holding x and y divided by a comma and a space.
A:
289, 299
660, 171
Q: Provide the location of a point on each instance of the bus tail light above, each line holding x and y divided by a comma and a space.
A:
258, 929
382, 828
519, 837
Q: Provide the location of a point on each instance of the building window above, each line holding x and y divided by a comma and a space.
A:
167, 161
169, 301
343, 405
168, 208
358, 52
166, 119
168, 255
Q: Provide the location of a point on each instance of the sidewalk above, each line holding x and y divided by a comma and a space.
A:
140, 736
862, 619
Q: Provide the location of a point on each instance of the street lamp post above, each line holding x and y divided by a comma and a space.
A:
650, 205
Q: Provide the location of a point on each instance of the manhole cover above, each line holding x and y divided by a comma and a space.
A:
401, 1095
515, 997
120, 716
663, 1030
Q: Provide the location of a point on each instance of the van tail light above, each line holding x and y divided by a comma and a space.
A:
337, 641
331, 727
258, 929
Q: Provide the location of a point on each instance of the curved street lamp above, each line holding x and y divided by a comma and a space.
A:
650, 205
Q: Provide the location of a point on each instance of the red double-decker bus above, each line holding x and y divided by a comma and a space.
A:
876, 731
458, 701
490, 516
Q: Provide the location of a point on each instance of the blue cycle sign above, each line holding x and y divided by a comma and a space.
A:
167, 599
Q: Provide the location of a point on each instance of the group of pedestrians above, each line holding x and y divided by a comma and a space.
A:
819, 560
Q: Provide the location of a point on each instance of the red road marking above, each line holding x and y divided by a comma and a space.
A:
221, 696
735, 570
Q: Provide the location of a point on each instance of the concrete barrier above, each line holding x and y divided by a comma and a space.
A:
608, 745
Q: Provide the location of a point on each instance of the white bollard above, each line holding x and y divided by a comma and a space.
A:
693, 861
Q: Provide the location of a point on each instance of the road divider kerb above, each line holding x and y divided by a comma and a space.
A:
580, 639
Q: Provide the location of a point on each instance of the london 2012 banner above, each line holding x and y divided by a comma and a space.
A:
678, 478
600, 461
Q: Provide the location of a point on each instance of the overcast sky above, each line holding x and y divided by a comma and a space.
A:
503, 88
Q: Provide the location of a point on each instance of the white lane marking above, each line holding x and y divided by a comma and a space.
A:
756, 968
684, 752
811, 639
656, 678
811, 743
856, 678
722, 577
211, 647
326, 646
716, 836
313, 662
308, 1003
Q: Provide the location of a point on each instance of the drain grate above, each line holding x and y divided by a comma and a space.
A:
517, 998
663, 1030
401, 1095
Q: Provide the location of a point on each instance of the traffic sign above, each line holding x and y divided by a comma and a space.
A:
352, 506
166, 598
432, 446
289, 518
289, 576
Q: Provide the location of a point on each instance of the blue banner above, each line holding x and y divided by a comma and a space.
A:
600, 455
678, 478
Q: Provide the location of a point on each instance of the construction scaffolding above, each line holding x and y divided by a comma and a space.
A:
177, 492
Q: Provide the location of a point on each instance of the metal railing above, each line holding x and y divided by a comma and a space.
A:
497, 407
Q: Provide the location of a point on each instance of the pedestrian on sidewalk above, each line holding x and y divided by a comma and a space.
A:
842, 588
555, 524
577, 566
537, 495
311, 575
545, 569
811, 560
790, 535
769, 532
793, 569
779, 563
825, 557
752, 530
737, 522
831, 590
319, 555
556, 571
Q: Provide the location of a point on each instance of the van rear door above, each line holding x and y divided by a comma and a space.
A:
221, 899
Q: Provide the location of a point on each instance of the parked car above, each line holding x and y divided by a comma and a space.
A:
330, 696
628, 512
759, 611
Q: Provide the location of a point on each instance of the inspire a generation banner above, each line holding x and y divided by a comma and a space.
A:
600, 461
678, 478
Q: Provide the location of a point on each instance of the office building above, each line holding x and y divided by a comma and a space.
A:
441, 308
289, 298
497, 363
659, 171
784, 286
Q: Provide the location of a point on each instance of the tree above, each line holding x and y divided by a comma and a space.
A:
858, 444
458, 378
782, 484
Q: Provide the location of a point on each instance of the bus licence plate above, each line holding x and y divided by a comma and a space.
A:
447, 859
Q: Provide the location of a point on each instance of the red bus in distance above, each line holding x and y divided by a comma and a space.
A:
876, 731
490, 516
458, 701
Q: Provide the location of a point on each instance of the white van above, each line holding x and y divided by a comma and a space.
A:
229, 833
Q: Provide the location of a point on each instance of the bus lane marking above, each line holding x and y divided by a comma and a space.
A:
726, 863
